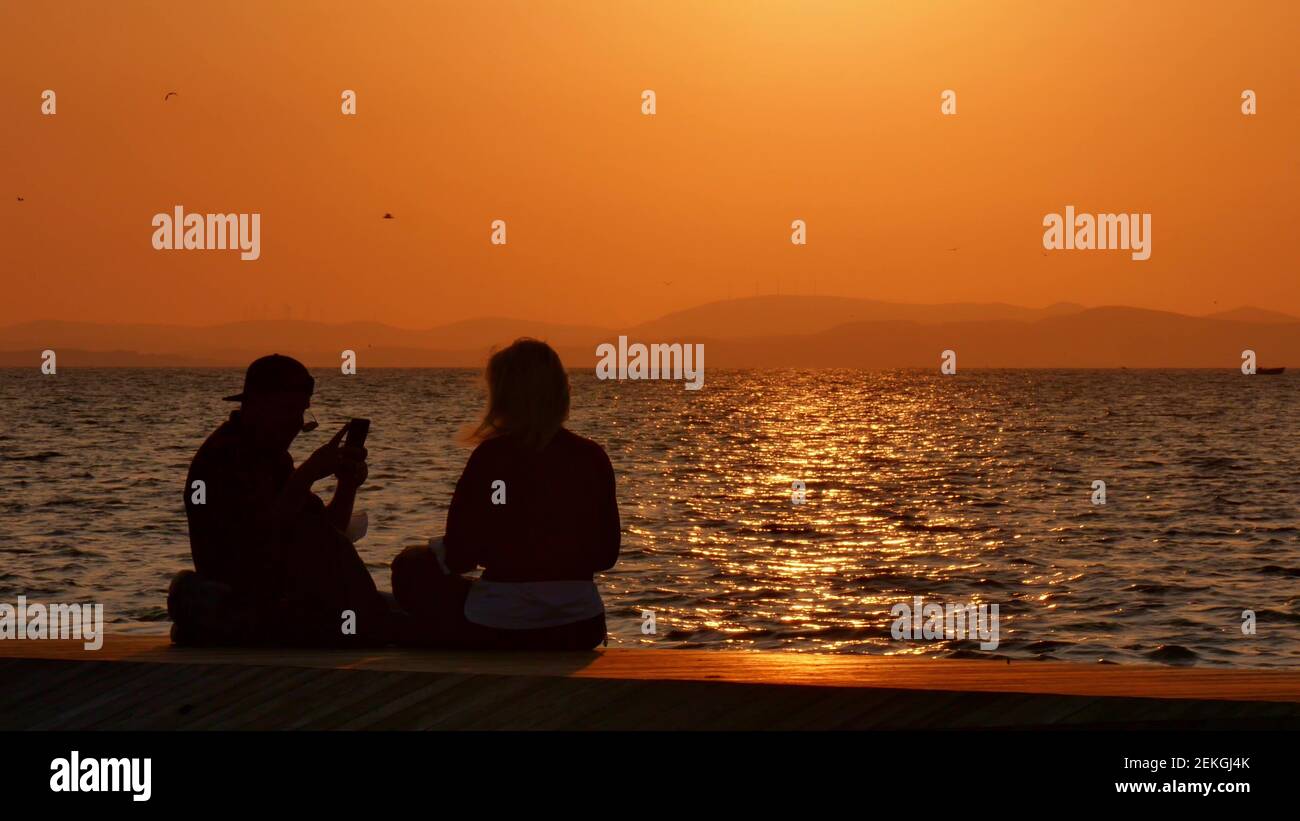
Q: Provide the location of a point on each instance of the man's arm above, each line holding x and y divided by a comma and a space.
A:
233, 530
351, 473
339, 510
330, 459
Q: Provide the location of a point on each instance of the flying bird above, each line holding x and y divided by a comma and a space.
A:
388, 216
20, 199
168, 94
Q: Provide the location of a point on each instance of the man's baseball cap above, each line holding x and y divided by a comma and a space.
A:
275, 374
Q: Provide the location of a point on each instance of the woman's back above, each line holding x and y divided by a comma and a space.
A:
559, 518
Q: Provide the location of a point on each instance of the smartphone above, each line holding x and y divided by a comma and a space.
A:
357, 431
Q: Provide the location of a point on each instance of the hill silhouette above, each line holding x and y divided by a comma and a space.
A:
1109, 337
810, 314
768, 331
1253, 315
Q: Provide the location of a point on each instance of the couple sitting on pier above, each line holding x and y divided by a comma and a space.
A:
274, 565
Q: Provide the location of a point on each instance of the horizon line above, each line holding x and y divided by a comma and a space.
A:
491, 317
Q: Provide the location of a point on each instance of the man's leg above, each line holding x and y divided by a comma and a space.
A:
436, 601
331, 589
209, 612
417, 581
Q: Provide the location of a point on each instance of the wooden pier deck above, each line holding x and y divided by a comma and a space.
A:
145, 683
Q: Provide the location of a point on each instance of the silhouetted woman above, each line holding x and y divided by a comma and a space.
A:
535, 508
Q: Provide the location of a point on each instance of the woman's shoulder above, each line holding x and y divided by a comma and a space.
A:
573, 443
565, 444
493, 450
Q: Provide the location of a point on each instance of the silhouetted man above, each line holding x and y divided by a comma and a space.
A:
273, 564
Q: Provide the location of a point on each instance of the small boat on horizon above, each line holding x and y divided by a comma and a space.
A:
1270, 371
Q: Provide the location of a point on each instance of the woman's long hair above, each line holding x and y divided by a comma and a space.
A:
528, 394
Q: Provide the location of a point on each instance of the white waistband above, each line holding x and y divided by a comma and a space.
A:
529, 605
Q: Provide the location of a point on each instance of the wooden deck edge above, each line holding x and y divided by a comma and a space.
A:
144, 682
62, 694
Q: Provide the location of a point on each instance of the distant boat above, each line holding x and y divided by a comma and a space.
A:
1270, 371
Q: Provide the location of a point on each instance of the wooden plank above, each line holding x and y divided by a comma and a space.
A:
144, 683
308, 698
755, 667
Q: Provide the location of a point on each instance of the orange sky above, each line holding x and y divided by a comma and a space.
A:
530, 112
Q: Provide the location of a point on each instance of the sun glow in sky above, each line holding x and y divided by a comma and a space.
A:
530, 113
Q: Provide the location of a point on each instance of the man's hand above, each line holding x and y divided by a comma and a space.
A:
336, 459
352, 469
325, 460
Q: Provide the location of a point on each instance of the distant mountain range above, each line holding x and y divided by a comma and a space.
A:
767, 331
